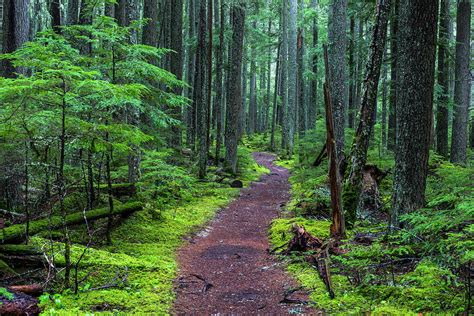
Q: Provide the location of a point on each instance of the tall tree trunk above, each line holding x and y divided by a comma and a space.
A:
121, 12
338, 73
384, 104
367, 113
443, 81
462, 88
284, 76
200, 97
176, 65
300, 91
292, 76
219, 93
252, 114
234, 93
392, 115
150, 29
191, 63
352, 80
16, 31
55, 11
275, 100
313, 96
414, 104
72, 12
243, 109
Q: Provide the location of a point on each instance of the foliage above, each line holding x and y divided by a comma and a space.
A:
145, 245
6, 294
418, 269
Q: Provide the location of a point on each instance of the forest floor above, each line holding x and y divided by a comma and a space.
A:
227, 267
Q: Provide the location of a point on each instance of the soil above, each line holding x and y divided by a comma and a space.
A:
227, 268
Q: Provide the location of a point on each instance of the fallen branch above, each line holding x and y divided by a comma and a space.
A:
16, 233
30, 289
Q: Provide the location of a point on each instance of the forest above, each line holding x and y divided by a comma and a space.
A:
232, 157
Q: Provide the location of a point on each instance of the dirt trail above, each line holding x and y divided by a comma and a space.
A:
227, 269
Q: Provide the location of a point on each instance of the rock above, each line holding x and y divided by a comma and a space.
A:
236, 184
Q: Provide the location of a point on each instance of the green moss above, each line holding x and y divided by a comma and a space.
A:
6, 294
144, 248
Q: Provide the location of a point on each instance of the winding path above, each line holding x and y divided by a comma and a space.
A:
226, 269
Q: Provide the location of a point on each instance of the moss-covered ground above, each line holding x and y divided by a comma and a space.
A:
419, 269
141, 264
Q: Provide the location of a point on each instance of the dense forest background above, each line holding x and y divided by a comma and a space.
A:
126, 124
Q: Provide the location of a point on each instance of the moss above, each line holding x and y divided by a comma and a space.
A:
17, 232
6, 294
144, 248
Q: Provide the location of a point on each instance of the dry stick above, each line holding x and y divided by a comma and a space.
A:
337, 229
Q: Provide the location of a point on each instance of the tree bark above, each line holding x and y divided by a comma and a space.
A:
367, 113
414, 104
352, 79
292, 76
55, 11
219, 85
338, 73
200, 97
176, 66
72, 12
443, 81
462, 88
337, 229
313, 95
284, 76
234, 93
392, 115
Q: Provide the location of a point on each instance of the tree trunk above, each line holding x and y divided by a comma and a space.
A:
275, 100
219, 92
72, 12
462, 88
284, 76
200, 97
55, 11
414, 104
338, 75
300, 91
176, 66
252, 114
313, 95
292, 76
367, 112
234, 93
243, 110
443, 81
384, 104
392, 115
352, 80
338, 228
191, 62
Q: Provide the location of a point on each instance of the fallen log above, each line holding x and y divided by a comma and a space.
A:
16, 233
20, 250
30, 289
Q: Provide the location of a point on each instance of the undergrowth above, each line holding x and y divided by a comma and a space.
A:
141, 264
422, 268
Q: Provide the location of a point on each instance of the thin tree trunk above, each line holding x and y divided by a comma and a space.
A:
338, 75
352, 73
392, 116
275, 99
219, 93
443, 81
313, 96
292, 76
462, 88
284, 77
